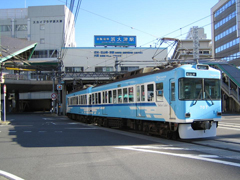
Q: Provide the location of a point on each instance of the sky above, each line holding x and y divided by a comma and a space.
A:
148, 20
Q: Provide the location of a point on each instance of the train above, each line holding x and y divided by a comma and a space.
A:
178, 101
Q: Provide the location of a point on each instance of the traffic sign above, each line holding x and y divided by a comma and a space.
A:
54, 96
59, 87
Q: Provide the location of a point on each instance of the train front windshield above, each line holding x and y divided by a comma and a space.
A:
199, 89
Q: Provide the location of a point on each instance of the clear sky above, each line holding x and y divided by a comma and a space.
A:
146, 19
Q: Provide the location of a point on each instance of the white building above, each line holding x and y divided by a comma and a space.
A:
52, 27
103, 59
185, 48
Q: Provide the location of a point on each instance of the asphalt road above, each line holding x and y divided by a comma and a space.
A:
37, 146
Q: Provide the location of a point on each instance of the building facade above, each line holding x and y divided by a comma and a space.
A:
185, 48
107, 59
225, 31
52, 27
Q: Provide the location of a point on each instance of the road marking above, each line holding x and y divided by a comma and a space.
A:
12, 131
231, 128
190, 156
27, 131
81, 128
42, 131
8, 175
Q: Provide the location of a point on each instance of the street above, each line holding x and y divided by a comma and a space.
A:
42, 146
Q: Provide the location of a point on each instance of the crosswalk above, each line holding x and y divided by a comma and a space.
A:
228, 125
181, 152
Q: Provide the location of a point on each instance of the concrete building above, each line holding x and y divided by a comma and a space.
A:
225, 31
185, 48
104, 59
52, 27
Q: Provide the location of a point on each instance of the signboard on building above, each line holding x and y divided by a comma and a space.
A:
115, 41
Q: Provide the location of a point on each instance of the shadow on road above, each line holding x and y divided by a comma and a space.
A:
39, 130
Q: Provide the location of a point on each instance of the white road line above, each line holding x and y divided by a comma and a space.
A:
81, 128
190, 156
230, 125
27, 131
42, 131
12, 131
8, 175
229, 128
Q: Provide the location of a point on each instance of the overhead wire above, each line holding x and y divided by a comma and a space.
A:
144, 31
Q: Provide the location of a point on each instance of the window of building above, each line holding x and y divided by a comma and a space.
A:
21, 27
129, 68
73, 69
42, 26
104, 69
42, 40
5, 28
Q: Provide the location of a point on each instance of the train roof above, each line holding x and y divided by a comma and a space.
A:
142, 72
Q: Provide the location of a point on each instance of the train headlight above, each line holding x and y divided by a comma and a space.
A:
187, 115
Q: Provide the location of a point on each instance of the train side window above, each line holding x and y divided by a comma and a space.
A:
93, 99
131, 95
90, 99
114, 96
96, 98
142, 93
119, 95
150, 93
159, 91
125, 95
105, 97
99, 98
85, 99
109, 96
138, 93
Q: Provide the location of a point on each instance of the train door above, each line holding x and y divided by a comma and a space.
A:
172, 102
140, 93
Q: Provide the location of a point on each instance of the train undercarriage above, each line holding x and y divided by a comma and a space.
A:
164, 129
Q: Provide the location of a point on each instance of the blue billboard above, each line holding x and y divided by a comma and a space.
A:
115, 41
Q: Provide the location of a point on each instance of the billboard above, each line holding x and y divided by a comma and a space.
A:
115, 41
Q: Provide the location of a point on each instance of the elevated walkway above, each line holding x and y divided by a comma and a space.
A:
230, 86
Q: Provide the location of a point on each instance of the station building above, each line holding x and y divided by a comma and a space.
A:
51, 27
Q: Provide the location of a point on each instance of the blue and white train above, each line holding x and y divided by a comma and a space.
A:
182, 101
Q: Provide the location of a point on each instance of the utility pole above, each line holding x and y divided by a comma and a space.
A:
0, 77
116, 64
195, 43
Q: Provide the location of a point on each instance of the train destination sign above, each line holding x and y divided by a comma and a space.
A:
191, 74
115, 41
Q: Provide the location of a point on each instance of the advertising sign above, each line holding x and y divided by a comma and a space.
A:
115, 41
